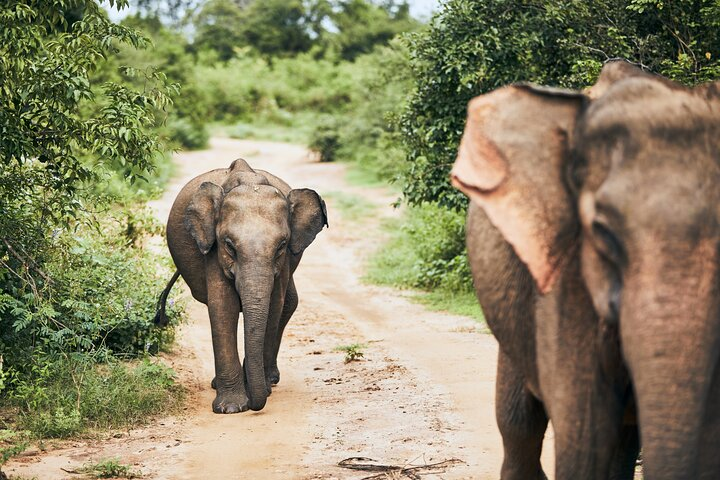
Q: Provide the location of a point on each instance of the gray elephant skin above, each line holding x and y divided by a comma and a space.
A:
593, 236
236, 236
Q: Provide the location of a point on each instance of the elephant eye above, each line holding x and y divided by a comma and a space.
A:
607, 244
229, 247
281, 247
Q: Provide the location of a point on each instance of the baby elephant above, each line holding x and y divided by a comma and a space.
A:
236, 236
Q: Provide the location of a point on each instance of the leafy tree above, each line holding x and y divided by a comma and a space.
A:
270, 27
361, 25
277, 27
184, 124
46, 84
64, 133
470, 47
172, 10
473, 47
219, 28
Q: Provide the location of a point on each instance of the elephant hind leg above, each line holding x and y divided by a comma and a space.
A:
625, 457
522, 421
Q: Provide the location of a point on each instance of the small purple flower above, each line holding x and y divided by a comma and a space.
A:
171, 302
128, 305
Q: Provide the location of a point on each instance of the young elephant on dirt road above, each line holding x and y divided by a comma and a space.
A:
236, 236
593, 236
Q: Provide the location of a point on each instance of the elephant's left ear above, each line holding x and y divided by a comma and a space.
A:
308, 215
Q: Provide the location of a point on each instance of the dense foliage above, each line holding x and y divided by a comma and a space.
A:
79, 154
473, 47
336, 29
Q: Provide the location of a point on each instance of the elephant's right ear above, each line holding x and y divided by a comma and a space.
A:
512, 162
201, 215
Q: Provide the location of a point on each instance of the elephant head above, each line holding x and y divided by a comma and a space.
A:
627, 177
256, 232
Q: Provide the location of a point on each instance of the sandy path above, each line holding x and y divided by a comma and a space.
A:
423, 393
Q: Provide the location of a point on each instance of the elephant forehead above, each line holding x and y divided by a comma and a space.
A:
650, 110
243, 178
249, 198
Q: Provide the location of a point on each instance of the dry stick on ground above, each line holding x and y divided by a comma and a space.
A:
410, 472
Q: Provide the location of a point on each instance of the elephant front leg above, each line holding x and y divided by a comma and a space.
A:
522, 422
272, 339
224, 310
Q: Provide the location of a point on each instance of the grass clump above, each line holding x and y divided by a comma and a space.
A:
352, 207
353, 352
110, 468
75, 398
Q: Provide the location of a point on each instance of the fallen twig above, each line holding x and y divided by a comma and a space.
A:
413, 472
73, 472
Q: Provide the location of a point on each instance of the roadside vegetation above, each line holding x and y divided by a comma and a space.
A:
91, 109
110, 468
81, 154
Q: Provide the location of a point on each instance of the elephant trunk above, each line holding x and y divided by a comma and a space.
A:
255, 288
670, 342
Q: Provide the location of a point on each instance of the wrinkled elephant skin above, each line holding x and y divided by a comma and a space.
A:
593, 236
236, 236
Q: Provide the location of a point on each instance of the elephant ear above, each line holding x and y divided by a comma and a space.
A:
308, 215
512, 162
201, 215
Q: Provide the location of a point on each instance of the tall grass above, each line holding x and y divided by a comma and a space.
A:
426, 250
75, 398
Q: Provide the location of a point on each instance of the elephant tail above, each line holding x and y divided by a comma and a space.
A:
160, 317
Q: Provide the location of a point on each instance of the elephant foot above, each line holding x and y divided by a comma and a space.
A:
229, 402
272, 376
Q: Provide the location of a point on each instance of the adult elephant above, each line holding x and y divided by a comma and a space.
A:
593, 236
236, 236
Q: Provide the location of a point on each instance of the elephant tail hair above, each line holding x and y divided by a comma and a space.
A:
160, 317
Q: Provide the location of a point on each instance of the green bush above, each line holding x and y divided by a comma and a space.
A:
187, 134
76, 397
249, 87
99, 299
473, 47
184, 123
426, 250
367, 124
325, 140
80, 134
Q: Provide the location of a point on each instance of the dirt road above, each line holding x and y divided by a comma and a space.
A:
423, 393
